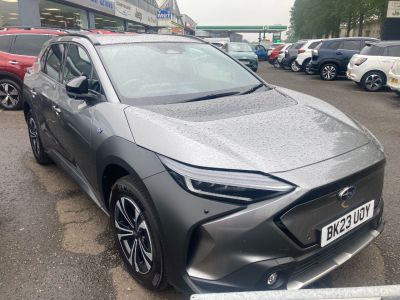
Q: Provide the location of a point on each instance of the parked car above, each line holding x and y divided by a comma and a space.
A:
271, 47
371, 67
213, 179
281, 56
291, 55
18, 50
260, 51
244, 53
331, 57
394, 77
304, 56
275, 53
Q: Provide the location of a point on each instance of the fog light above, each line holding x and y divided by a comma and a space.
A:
272, 279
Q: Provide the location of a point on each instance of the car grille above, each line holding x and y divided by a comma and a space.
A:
303, 221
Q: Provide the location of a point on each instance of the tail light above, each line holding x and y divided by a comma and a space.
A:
315, 53
360, 61
302, 51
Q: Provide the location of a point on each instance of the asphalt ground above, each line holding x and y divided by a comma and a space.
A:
56, 244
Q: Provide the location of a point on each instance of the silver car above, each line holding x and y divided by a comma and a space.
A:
213, 179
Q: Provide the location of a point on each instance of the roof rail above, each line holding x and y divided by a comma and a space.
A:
30, 28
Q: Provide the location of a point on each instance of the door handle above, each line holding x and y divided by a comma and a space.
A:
13, 62
57, 110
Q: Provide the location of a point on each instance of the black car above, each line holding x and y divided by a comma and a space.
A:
331, 57
291, 54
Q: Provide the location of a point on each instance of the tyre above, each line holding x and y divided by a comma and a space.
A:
329, 72
307, 69
373, 81
305, 64
277, 65
10, 95
137, 234
294, 66
36, 143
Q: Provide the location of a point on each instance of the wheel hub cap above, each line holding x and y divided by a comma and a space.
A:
9, 95
33, 136
133, 235
329, 72
373, 82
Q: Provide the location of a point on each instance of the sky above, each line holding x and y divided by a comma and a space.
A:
238, 12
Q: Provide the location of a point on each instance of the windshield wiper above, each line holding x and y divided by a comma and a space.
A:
213, 96
252, 90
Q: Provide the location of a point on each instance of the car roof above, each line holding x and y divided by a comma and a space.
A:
16, 30
351, 38
387, 43
113, 39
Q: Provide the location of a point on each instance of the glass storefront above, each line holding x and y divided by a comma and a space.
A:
53, 14
9, 15
107, 22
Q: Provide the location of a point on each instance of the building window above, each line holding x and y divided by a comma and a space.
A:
106, 22
53, 14
9, 13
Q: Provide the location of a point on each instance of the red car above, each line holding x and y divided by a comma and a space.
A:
18, 50
275, 53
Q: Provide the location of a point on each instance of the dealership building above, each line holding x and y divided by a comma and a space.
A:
131, 15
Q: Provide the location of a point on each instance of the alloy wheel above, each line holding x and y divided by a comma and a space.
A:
9, 95
133, 235
295, 66
329, 72
34, 136
373, 82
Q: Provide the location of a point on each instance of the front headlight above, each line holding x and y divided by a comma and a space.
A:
226, 185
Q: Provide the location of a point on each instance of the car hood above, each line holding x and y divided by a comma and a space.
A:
273, 131
244, 55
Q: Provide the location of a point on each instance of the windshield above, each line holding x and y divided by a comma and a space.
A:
162, 73
239, 47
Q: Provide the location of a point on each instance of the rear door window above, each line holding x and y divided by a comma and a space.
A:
5, 42
371, 50
393, 51
334, 45
54, 61
313, 45
299, 45
30, 44
352, 45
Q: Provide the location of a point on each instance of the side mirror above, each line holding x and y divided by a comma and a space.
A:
78, 88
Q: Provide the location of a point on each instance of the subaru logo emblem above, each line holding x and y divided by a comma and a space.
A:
347, 193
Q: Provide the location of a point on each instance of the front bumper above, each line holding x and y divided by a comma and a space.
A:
213, 246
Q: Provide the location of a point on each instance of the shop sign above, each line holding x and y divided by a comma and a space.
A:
131, 12
164, 14
393, 9
106, 6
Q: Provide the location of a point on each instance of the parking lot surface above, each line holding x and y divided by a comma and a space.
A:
55, 243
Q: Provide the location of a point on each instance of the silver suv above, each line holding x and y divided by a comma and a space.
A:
213, 179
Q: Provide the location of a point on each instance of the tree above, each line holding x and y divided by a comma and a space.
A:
322, 18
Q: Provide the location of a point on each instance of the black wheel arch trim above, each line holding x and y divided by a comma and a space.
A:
11, 76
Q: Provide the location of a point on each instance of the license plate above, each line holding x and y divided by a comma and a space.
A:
347, 223
394, 80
